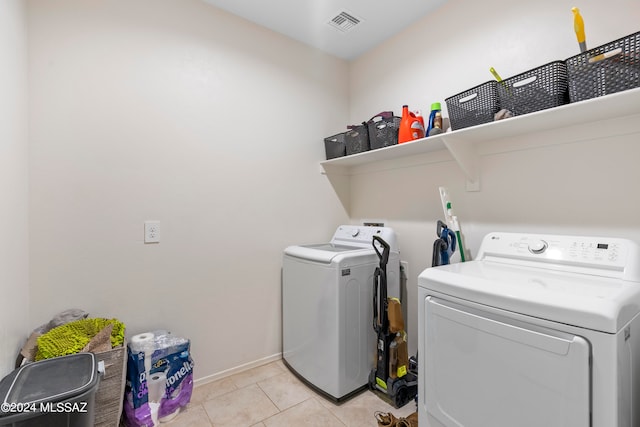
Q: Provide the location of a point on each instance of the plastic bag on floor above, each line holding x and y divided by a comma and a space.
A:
159, 378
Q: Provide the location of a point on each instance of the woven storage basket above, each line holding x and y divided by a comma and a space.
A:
334, 146
357, 139
606, 69
110, 394
473, 106
383, 130
534, 90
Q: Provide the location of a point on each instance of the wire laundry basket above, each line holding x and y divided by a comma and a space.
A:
534, 90
473, 106
612, 67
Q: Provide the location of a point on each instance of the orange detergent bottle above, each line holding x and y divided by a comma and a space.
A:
410, 126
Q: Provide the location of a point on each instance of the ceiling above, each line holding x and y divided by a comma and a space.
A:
359, 25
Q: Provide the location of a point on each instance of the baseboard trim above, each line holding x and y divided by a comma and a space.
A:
236, 370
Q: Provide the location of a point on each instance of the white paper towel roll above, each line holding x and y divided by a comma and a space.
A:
157, 384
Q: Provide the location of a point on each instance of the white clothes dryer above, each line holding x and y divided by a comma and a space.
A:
539, 330
327, 309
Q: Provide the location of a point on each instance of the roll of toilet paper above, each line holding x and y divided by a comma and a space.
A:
157, 384
144, 343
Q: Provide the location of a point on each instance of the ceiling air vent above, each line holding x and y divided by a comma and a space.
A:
344, 21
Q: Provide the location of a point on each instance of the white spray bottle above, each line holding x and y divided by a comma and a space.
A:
451, 220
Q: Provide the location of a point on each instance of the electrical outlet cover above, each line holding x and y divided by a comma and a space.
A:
152, 231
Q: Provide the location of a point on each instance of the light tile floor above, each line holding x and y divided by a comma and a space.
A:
271, 395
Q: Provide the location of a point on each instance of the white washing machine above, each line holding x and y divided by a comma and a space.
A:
539, 330
327, 309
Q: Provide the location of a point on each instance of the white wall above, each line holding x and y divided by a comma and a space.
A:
14, 268
587, 187
178, 112
136, 113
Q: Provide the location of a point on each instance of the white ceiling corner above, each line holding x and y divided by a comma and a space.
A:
309, 21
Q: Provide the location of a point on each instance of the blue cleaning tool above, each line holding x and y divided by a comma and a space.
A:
444, 246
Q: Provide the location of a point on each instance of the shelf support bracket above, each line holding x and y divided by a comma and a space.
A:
465, 155
340, 180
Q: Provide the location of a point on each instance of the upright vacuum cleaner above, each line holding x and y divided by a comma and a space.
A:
390, 377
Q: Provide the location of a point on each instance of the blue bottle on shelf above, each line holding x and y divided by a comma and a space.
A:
435, 108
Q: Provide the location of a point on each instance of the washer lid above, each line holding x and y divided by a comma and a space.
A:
582, 300
323, 252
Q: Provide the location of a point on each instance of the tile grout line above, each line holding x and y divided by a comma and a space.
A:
207, 414
270, 399
281, 411
330, 409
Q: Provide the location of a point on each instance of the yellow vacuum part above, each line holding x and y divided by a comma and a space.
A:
402, 371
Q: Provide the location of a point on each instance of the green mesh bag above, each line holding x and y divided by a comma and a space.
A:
72, 337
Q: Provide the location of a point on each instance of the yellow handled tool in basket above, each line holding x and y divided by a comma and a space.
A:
578, 26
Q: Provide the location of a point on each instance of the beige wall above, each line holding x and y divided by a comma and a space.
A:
178, 112
185, 114
585, 185
14, 268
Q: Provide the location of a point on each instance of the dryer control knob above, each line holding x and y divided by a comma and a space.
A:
537, 247
355, 232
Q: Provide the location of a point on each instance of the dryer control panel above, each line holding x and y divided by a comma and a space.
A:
603, 256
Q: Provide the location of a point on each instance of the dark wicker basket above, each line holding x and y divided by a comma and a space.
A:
357, 139
473, 106
383, 130
606, 69
534, 90
334, 146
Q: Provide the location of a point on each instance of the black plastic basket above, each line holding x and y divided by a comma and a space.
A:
334, 146
383, 130
534, 90
473, 106
606, 69
357, 139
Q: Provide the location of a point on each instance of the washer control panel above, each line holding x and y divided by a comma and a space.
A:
538, 246
362, 236
604, 253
